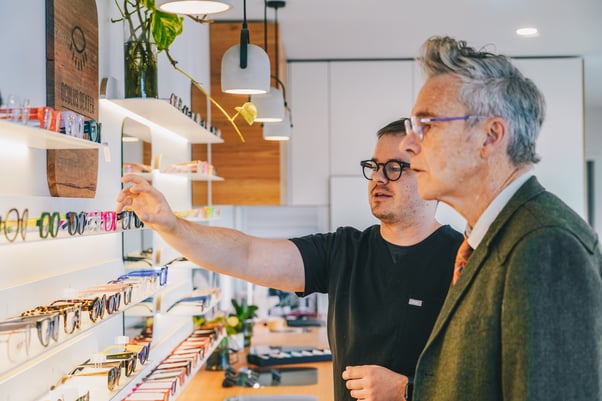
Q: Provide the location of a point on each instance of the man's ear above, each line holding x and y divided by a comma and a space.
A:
495, 138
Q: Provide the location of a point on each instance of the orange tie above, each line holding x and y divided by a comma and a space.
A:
462, 256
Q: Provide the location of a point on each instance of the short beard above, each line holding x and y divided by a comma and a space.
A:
386, 217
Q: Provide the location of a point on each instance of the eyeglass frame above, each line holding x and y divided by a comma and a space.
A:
127, 217
125, 362
22, 221
161, 274
411, 124
142, 351
95, 306
112, 380
62, 310
125, 289
401, 164
52, 332
49, 224
75, 222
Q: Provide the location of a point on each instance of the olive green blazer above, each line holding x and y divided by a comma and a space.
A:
524, 320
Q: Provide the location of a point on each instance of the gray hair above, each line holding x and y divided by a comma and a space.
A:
491, 86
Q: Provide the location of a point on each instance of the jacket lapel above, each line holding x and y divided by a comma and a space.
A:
456, 292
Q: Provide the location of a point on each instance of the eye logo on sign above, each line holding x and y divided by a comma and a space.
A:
78, 47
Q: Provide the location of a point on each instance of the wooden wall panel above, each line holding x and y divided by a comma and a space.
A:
251, 170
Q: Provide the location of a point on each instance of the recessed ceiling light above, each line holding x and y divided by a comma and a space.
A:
528, 32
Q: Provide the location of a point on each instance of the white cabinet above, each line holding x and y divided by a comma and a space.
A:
339, 106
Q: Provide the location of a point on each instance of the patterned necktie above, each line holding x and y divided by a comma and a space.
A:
462, 256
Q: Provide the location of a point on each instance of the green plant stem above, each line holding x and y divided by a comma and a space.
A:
200, 87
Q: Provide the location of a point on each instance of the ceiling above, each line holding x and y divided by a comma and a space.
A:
336, 29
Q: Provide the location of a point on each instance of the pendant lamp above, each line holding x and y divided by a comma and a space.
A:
278, 131
270, 106
245, 67
193, 7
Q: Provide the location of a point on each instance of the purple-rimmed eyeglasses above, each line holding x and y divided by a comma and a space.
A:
419, 125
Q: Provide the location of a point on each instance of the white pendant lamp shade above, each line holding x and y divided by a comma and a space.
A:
278, 131
270, 106
253, 79
193, 7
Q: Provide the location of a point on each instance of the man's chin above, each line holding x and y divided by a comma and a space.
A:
424, 190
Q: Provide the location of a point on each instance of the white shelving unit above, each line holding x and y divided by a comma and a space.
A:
38, 272
42, 139
171, 135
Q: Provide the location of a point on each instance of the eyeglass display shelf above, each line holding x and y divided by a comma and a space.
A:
56, 347
192, 176
42, 139
164, 348
197, 303
167, 300
159, 114
33, 236
128, 384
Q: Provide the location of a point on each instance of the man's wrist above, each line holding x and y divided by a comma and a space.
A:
408, 392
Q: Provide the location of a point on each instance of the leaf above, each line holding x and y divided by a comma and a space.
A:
237, 307
248, 111
165, 28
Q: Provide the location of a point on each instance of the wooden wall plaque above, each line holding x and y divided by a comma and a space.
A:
72, 84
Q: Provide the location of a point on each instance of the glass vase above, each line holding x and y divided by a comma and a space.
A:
140, 69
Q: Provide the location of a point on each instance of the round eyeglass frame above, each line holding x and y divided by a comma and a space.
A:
389, 167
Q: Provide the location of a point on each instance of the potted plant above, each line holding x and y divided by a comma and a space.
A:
147, 31
239, 322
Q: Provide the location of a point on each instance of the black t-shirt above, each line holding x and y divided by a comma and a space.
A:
383, 298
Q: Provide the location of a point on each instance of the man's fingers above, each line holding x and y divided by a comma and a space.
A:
351, 373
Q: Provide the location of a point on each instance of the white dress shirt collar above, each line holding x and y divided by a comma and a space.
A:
475, 234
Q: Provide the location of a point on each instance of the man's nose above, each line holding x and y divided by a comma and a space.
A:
410, 144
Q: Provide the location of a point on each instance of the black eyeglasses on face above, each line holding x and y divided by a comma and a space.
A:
392, 169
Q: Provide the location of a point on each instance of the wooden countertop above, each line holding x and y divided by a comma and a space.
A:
207, 385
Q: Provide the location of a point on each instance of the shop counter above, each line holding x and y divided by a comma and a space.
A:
206, 385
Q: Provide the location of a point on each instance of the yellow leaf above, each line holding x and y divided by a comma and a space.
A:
248, 111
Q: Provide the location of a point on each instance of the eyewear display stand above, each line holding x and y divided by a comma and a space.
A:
39, 271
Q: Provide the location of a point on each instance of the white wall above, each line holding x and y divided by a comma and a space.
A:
362, 96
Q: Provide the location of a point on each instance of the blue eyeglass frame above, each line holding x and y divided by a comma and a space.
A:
414, 123
160, 273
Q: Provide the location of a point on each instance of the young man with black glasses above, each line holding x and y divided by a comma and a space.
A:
385, 284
